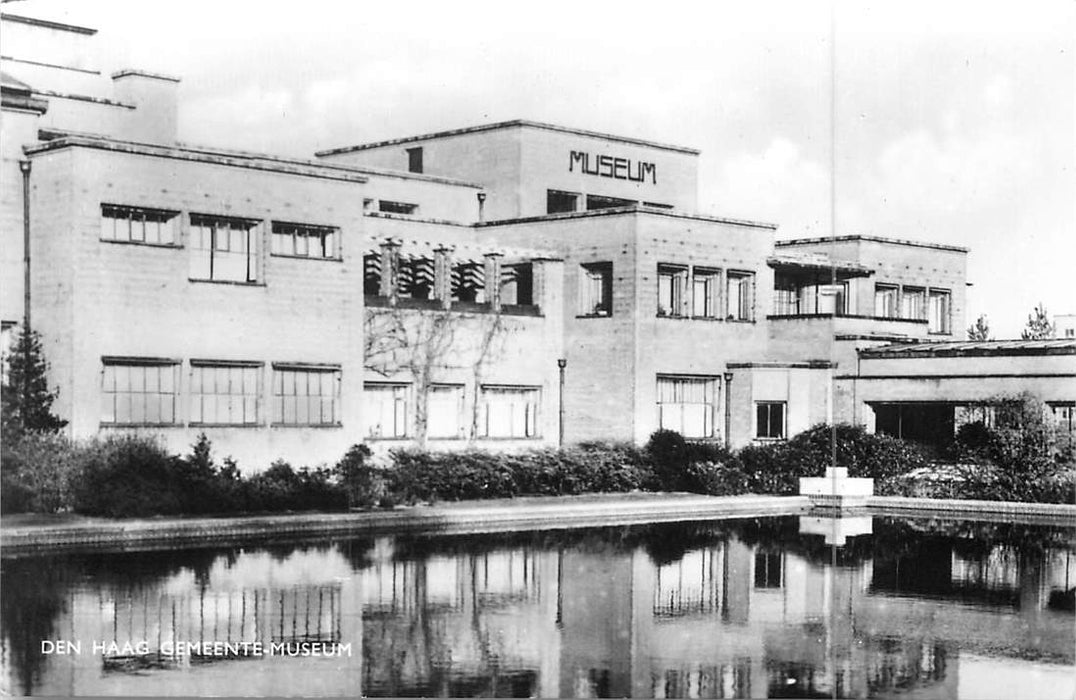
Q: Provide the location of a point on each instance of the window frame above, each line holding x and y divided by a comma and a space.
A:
532, 427
769, 405
894, 307
460, 423
405, 389
745, 281
278, 413
415, 159
143, 363
389, 206
551, 193
711, 384
257, 395
254, 245
677, 278
171, 223
602, 273
307, 231
712, 277
946, 320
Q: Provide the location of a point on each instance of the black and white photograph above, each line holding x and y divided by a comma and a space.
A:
557, 349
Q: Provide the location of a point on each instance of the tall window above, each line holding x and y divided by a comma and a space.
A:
224, 249
769, 569
705, 292
138, 225
469, 282
414, 159
416, 277
596, 289
225, 393
885, 301
384, 408
939, 311
371, 274
786, 298
688, 405
557, 202
444, 411
304, 395
672, 288
913, 303
770, 420
301, 240
508, 412
139, 392
740, 296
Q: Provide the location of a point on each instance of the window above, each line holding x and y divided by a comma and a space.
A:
557, 202
444, 411
913, 303
301, 240
224, 249
657, 205
1064, 415
305, 395
595, 201
672, 285
138, 225
138, 391
770, 420
7, 345
688, 405
885, 301
939, 311
414, 159
786, 297
469, 282
508, 412
396, 207
705, 285
1070, 332
384, 408
740, 296
225, 393
517, 284
596, 289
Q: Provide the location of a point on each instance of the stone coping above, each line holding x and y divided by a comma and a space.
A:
460, 517
490, 516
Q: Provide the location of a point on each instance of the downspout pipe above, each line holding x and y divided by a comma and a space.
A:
24, 167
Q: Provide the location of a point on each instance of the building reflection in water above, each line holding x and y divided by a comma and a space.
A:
730, 610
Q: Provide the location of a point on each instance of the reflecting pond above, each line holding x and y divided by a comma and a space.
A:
772, 607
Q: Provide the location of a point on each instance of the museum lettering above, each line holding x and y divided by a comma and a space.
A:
608, 166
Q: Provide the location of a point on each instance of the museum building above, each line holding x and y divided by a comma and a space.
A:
505, 285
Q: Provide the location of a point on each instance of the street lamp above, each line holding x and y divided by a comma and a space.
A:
561, 364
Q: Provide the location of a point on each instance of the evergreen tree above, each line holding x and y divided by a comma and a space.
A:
1038, 325
26, 399
981, 329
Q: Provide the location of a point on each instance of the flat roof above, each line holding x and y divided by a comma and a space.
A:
49, 24
515, 123
629, 209
971, 348
819, 265
873, 239
291, 166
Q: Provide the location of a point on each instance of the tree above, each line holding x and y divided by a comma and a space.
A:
981, 329
1038, 325
26, 400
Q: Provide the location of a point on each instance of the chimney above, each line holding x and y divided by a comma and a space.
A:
154, 118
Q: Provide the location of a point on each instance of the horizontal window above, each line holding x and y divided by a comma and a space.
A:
306, 395
688, 405
557, 202
508, 412
303, 241
139, 392
138, 225
225, 393
385, 409
397, 207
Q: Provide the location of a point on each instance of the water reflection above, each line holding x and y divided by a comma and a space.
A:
753, 608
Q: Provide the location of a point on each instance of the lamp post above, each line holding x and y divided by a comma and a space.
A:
727, 376
24, 167
561, 364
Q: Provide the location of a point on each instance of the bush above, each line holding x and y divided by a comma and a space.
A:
365, 484
675, 462
39, 473
281, 488
127, 476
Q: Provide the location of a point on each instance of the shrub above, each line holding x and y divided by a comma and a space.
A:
127, 476
674, 459
365, 484
281, 488
39, 473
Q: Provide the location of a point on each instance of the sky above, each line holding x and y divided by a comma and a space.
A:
952, 123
